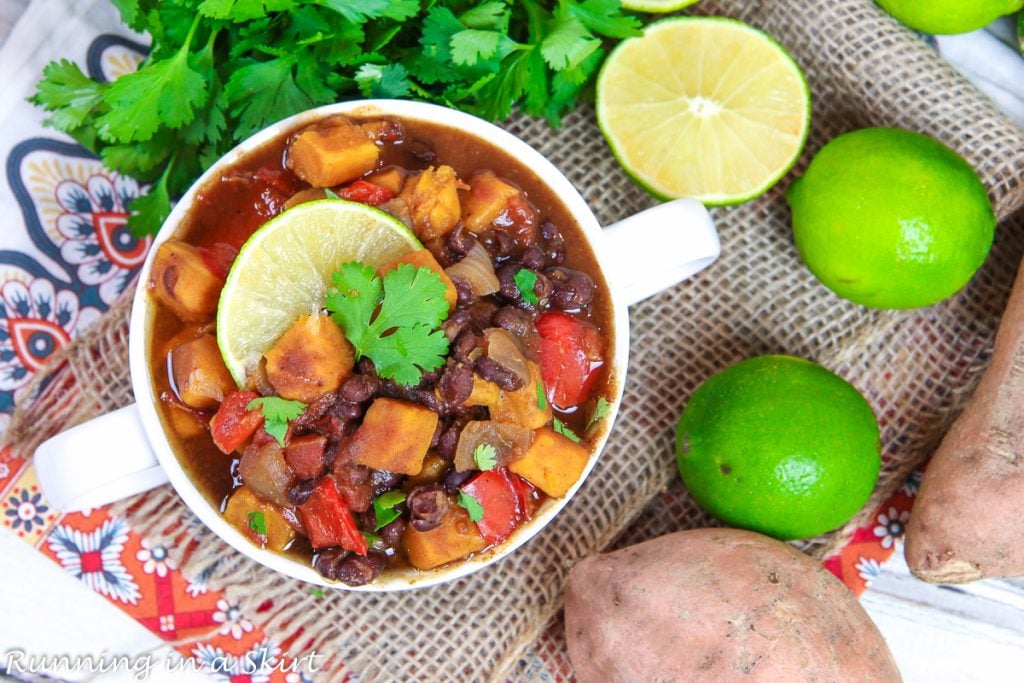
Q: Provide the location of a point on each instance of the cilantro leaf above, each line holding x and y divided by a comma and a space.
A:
542, 399
601, 411
391, 80
568, 43
257, 522
243, 10
470, 45
526, 282
486, 456
371, 538
384, 508
68, 93
471, 505
277, 413
402, 338
262, 92
605, 17
563, 429
167, 92
361, 11
317, 592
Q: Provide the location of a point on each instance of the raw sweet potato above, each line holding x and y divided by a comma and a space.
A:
718, 605
966, 523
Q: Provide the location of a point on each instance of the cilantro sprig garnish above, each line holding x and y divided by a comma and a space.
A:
526, 283
601, 411
392, 320
384, 508
219, 70
471, 505
257, 522
277, 413
564, 429
485, 456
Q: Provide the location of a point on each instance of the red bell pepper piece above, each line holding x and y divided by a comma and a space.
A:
497, 495
233, 423
328, 522
570, 353
526, 493
218, 257
366, 193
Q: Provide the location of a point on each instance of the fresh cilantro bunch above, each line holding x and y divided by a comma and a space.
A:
392, 320
219, 70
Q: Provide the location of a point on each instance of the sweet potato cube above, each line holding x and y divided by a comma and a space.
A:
487, 198
332, 155
553, 463
183, 281
200, 377
395, 436
485, 393
522, 406
456, 537
422, 258
311, 358
251, 515
392, 178
310, 194
433, 200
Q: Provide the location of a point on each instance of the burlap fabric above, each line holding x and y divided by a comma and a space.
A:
916, 368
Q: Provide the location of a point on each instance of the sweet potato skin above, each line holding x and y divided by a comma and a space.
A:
966, 523
718, 605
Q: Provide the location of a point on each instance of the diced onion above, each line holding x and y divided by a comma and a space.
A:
501, 347
477, 271
510, 442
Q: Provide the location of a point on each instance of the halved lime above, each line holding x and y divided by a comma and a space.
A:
284, 270
656, 6
703, 107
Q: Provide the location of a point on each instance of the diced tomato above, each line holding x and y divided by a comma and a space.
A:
218, 257
233, 423
526, 494
328, 522
571, 353
365, 193
498, 496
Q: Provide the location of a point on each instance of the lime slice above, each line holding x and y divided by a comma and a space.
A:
656, 6
284, 270
703, 107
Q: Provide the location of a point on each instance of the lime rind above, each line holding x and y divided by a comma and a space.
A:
656, 7
284, 270
714, 199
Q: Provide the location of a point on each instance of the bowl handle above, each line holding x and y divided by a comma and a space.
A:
660, 247
105, 459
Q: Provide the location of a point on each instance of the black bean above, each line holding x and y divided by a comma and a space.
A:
359, 388
453, 479
460, 240
470, 413
420, 150
429, 378
391, 534
481, 314
554, 242
455, 323
465, 345
456, 383
316, 410
533, 258
357, 570
516, 321
494, 371
508, 288
500, 245
365, 367
300, 491
327, 562
426, 397
571, 289
348, 411
445, 445
426, 505
382, 481
463, 292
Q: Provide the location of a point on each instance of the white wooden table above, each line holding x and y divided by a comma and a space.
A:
966, 634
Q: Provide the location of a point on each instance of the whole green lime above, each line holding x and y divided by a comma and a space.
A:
889, 218
779, 445
949, 16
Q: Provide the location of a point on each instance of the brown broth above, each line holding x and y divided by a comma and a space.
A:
229, 209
